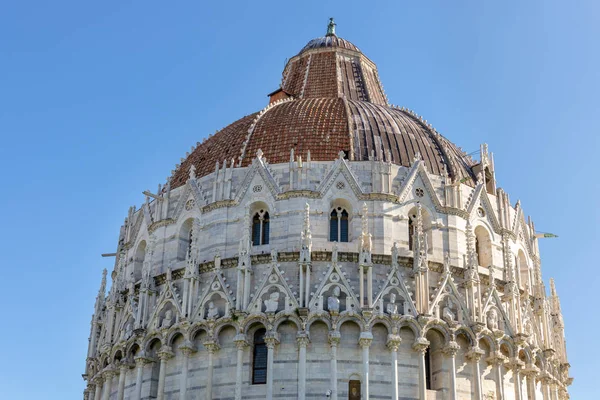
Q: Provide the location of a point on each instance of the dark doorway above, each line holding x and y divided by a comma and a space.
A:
354, 390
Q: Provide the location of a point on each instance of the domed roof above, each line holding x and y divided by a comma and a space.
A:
329, 101
329, 41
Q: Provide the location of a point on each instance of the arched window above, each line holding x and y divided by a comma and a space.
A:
483, 246
338, 225
260, 228
523, 271
259, 358
138, 261
185, 239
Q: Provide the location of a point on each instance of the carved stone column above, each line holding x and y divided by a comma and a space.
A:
421, 344
334, 341
303, 340
307, 286
475, 355
361, 290
369, 270
530, 372
240, 344
140, 361
122, 371
393, 342
187, 349
212, 347
450, 350
516, 366
498, 360
108, 375
271, 340
98, 392
164, 354
545, 380
366, 338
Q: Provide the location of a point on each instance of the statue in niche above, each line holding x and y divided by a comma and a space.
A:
272, 303
492, 319
213, 311
392, 307
167, 320
333, 301
447, 313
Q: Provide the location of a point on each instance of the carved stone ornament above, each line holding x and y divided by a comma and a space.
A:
272, 303
333, 301
212, 312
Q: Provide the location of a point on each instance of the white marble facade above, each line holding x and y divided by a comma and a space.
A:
456, 309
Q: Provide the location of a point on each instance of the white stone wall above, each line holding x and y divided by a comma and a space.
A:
220, 226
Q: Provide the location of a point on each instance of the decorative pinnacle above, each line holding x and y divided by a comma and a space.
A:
331, 27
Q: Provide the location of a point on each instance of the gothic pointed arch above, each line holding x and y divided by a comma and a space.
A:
340, 221
334, 293
139, 257
216, 301
448, 303
340, 171
274, 294
394, 297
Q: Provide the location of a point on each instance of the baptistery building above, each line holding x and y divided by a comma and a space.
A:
329, 246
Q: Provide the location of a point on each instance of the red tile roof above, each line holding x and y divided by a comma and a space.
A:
337, 104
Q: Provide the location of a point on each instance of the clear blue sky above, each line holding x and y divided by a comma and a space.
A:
98, 101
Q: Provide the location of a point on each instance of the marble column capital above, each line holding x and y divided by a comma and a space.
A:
334, 338
302, 338
393, 342
108, 373
515, 364
496, 359
240, 341
142, 360
475, 354
123, 367
165, 353
451, 348
530, 370
187, 348
545, 378
365, 340
271, 339
212, 346
420, 345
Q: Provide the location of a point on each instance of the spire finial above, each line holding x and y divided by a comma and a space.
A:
331, 27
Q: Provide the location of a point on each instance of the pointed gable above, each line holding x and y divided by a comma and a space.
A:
394, 284
273, 294
218, 293
334, 278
